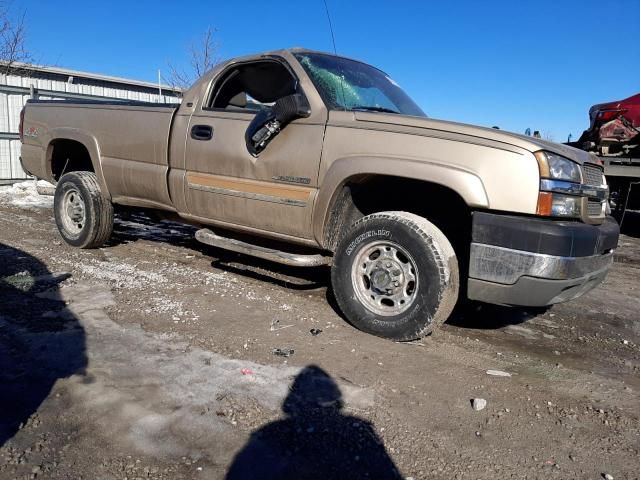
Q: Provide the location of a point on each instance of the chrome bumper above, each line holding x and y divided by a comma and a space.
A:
504, 265
515, 277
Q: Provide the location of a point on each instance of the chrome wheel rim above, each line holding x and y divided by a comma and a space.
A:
385, 278
74, 215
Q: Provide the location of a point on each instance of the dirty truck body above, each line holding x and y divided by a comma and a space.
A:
329, 155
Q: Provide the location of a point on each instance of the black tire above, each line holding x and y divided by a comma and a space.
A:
92, 228
429, 255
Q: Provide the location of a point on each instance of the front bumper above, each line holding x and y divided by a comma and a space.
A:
536, 262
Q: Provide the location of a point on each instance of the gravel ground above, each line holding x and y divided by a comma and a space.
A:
154, 358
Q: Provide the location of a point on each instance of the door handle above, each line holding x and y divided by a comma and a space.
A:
201, 132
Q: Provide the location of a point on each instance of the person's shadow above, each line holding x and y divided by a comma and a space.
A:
315, 440
40, 340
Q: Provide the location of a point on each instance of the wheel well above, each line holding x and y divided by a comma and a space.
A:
69, 156
440, 205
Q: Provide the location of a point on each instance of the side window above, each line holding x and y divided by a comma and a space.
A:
251, 87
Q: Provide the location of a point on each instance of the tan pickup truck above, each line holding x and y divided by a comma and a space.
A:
329, 157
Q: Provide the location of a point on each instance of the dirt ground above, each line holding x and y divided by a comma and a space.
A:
154, 358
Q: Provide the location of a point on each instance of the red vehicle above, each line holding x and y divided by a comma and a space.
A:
614, 129
614, 135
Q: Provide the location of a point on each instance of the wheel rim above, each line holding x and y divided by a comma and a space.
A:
73, 212
385, 278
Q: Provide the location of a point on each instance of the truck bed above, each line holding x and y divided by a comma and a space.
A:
130, 138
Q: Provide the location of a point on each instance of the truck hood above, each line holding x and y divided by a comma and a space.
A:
476, 134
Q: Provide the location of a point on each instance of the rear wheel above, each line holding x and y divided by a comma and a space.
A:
395, 275
83, 215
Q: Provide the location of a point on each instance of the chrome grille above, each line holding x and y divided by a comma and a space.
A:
592, 174
594, 208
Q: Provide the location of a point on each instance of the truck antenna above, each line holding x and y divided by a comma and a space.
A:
335, 51
333, 39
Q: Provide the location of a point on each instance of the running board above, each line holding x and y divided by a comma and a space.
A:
293, 259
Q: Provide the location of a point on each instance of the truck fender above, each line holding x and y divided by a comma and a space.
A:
89, 142
465, 183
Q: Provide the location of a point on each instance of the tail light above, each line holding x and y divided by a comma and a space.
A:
606, 115
21, 127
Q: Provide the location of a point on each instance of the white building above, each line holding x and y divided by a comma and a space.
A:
46, 83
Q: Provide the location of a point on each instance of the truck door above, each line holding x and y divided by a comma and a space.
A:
225, 183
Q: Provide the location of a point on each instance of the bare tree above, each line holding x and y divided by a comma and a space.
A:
12, 41
548, 135
203, 55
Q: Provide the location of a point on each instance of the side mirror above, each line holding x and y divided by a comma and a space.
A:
291, 107
270, 121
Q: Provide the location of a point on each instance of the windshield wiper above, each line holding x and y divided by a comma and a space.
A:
367, 108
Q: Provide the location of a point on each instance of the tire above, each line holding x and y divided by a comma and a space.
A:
83, 215
374, 266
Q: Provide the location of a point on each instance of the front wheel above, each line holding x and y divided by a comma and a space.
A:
395, 275
83, 215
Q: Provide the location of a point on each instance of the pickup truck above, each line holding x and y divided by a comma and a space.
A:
307, 159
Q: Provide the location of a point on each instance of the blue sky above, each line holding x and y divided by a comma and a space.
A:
512, 63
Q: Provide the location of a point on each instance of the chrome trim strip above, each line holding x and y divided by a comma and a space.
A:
506, 266
248, 195
570, 188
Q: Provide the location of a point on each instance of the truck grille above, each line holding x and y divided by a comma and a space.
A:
594, 208
592, 174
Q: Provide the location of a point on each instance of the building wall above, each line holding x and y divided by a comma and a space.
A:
15, 90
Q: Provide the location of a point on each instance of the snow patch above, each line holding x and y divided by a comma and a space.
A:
25, 195
121, 275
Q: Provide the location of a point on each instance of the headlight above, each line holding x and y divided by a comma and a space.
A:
557, 167
562, 193
560, 180
551, 204
565, 206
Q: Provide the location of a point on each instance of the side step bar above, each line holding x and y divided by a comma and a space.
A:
293, 259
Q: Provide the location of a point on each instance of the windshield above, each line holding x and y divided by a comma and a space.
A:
349, 85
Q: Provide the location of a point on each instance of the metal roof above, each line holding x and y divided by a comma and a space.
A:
94, 76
